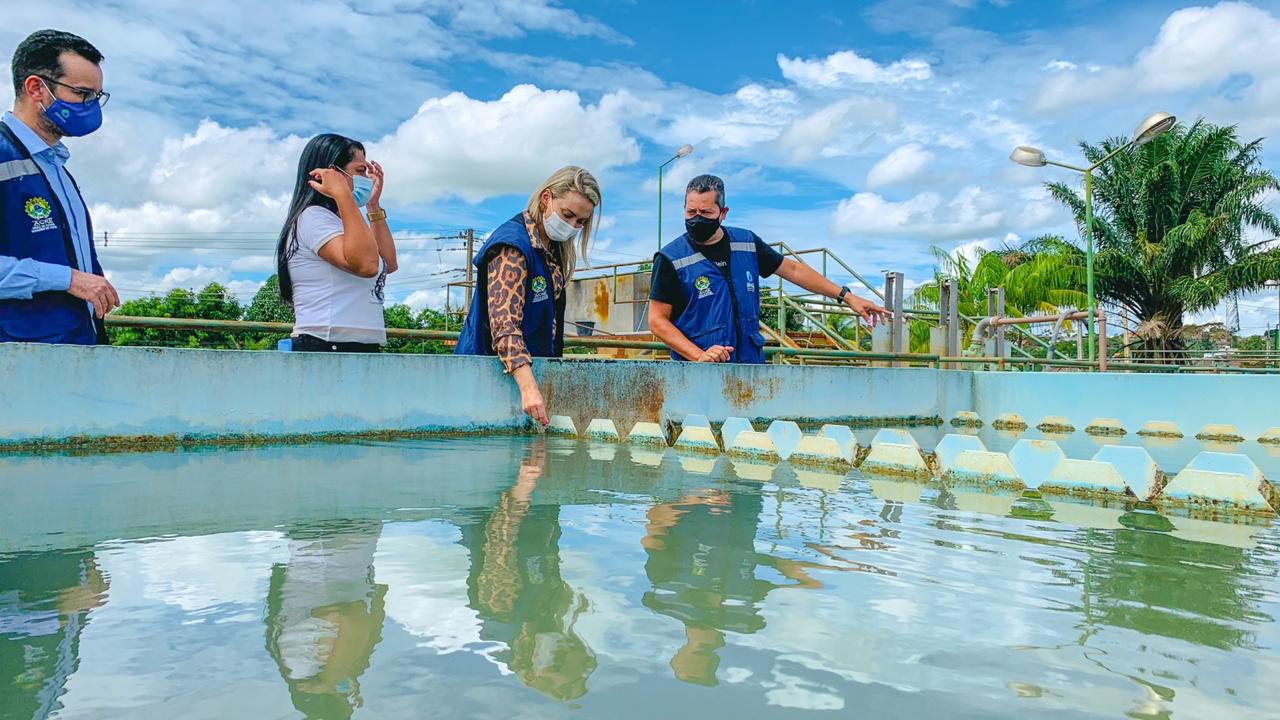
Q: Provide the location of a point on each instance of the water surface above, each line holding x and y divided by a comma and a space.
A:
531, 578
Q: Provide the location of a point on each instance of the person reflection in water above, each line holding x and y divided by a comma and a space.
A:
515, 587
324, 616
702, 564
45, 602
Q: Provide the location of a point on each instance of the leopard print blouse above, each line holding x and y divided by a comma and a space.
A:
506, 273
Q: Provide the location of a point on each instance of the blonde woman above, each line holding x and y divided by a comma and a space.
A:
517, 310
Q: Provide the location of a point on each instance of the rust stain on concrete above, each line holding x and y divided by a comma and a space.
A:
602, 301
589, 390
742, 393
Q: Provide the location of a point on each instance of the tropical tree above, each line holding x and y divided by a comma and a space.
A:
214, 302
267, 306
1176, 226
1040, 277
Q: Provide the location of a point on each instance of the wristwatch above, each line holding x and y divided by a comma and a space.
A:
843, 291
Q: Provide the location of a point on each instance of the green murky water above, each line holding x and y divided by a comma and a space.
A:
524, 578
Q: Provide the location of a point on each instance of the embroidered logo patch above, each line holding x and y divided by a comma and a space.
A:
751, 282
38, 208
703, 285
539, 288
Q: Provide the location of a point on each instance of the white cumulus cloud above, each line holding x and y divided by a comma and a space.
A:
1195, 47
475, 149
971, 213
847, 67
903, 164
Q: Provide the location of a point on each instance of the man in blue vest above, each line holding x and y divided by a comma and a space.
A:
52, 288
704, 301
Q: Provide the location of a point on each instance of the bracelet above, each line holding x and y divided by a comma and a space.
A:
843, 291
376, 216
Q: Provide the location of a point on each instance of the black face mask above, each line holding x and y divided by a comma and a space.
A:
701, 228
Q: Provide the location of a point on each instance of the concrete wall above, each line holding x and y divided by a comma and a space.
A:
1250, 402
609, 302
58, 392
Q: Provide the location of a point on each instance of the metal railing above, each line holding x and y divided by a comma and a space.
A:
851, 357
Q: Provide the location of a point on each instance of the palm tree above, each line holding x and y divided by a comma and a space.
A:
1172, 222
1040, 276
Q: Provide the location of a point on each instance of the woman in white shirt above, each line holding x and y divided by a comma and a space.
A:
332, 264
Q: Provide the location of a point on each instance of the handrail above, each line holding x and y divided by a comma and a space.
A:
127, 321
446, 335
831, 334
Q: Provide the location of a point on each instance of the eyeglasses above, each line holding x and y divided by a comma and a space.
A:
86, 94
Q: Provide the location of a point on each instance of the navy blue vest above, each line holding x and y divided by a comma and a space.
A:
543, 314
33, 224
720, 312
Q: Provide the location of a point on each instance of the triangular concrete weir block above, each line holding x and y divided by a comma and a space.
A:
732, 426
698, 439
562, 425
952, 445
647, 433
753, 445
1136, 466
1034, 460
1084, 478
602, 429
785, 435
1221, 490
897, 436
1227, 463
980, 467
895, 459
843, 435
818, 451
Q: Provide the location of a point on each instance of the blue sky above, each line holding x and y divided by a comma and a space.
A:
879, 129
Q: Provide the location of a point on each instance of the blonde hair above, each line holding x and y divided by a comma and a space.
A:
570, 178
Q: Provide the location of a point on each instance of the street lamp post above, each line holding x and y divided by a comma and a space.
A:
682, 152
1146, 131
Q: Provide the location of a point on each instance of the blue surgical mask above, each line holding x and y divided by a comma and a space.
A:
74, 119
362, 189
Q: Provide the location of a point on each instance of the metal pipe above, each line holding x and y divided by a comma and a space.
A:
1036, 319
416, 334
1053, 339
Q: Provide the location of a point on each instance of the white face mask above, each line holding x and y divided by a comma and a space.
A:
557, 229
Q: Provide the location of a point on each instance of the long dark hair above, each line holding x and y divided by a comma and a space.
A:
321, 152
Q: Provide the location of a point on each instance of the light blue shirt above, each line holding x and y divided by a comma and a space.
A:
19, 279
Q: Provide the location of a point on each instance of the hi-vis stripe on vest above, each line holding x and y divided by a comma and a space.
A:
685, 262
18, 168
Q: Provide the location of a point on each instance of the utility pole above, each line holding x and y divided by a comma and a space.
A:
471, 239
